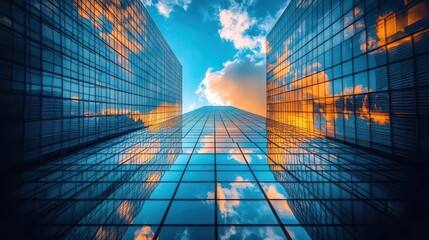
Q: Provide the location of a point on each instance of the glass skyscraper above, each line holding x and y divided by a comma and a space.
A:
77, 72
356, 71
214, 173
94, 145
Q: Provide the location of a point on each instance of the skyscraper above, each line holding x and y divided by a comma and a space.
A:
356, 71
96, 146
215, 173
77, 72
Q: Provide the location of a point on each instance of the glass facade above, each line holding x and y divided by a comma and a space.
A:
214, 173
356, 71
94, 145
76, 72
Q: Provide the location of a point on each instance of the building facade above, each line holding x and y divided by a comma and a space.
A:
76, 72
355, 71
215, 173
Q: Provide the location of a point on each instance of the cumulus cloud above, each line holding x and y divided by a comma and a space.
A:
191, 106
240, 83
233, 191
165, 7
235, 24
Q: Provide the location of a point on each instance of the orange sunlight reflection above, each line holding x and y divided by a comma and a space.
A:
310, 87
103, 234
281, 206
126, 24
152, 119
125, 211
227, 208
141, 154
144, 233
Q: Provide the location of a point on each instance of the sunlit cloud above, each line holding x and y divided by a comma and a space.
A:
234, 191
122, 19
281, 206
152, 119
125, 211
142, 153
166, 7
144, 233
208, 145
75, 98
235, 22
366, 106
317, 95
191, 106
240, 83
154, 177
103, 234
249, 233
241, 158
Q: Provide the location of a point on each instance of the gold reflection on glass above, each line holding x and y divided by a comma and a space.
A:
152, 119
141, 154
208, 145
303, 94
227, 208
310, 92
75, 98
154, 177
104, 234
281, 206
144, 233
126, 24
125, 211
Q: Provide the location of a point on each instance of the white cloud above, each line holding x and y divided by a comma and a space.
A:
236, 23
165, 7
185, 235
191, 106
240, 83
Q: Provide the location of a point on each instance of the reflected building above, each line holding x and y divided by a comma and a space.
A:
337, 191
96, 192
96, 147
77, 72
214, 173
355, 71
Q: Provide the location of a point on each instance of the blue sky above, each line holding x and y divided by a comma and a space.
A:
221, 45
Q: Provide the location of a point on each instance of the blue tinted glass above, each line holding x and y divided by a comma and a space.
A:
191, 212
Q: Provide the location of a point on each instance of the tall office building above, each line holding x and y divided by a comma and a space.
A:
215, 173
77, 72
96, 147
356, 71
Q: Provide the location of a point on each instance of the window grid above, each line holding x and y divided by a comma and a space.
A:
212, 173
349, 70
